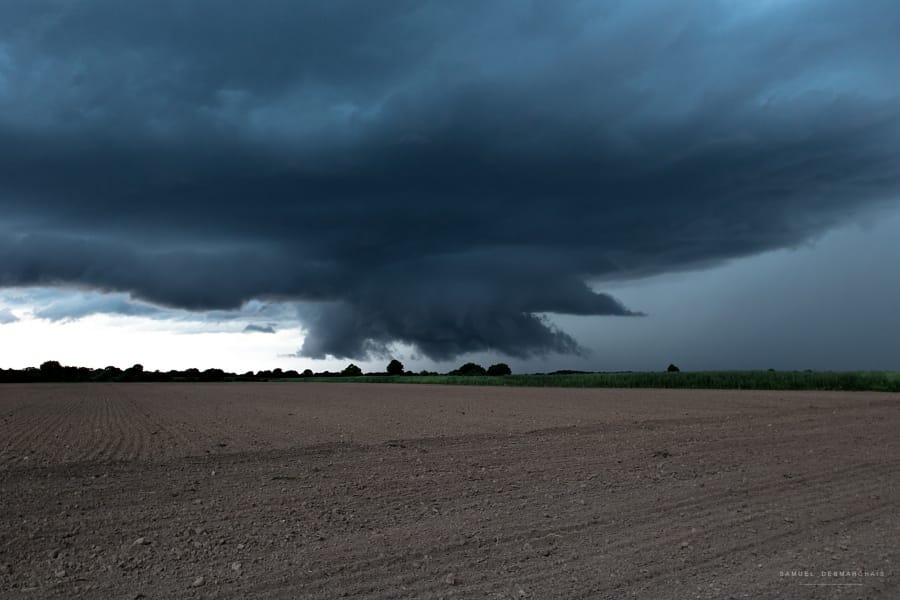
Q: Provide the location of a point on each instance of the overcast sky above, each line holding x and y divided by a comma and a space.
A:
593, 185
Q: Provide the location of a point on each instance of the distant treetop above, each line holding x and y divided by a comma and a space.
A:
469, 369
351, 371
395, 367
499, 369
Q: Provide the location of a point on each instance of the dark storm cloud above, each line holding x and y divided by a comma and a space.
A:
253, 328
434, 173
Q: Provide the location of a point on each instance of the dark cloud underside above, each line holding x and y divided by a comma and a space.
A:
434, 173
253, 328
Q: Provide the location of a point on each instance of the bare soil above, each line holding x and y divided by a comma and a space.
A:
404, 491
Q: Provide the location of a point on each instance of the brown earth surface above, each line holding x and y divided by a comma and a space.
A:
405, 491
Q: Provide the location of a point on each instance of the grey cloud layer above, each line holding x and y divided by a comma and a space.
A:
6, 317
434, 173
56, 305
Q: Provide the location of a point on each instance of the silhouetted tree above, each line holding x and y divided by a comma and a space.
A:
395, 367
212, 375
469, 369
133, 373
307, 373
51, 371
499, 369
351, 371
673, 369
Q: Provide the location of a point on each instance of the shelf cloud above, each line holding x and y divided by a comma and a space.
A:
438, 174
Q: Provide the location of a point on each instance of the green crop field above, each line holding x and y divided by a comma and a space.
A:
880, 381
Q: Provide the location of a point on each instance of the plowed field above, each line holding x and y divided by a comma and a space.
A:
405, 491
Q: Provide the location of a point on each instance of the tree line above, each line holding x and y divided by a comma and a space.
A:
52, 371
